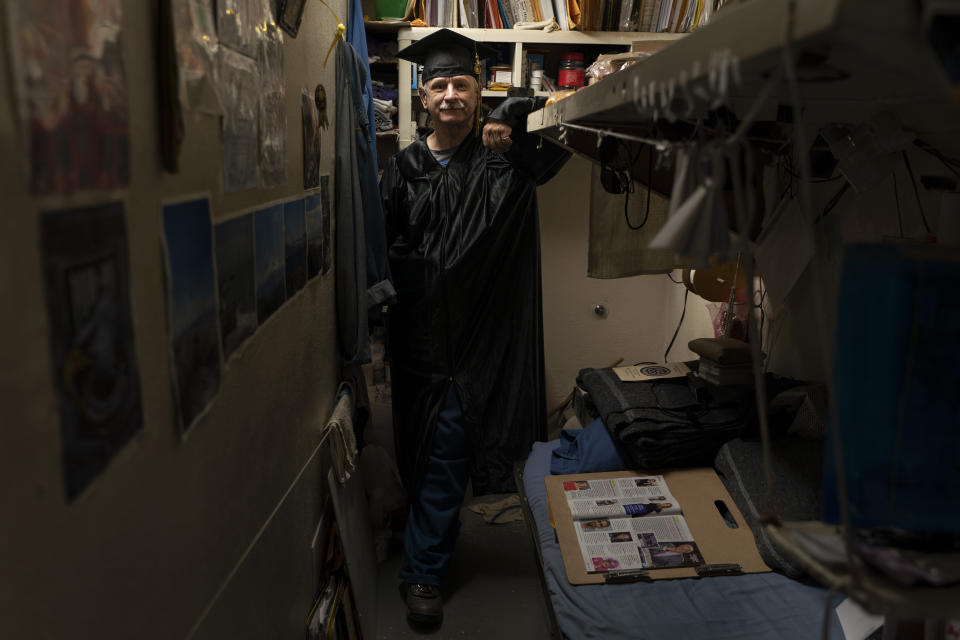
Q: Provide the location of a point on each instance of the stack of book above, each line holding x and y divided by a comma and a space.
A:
655, 16
724, 361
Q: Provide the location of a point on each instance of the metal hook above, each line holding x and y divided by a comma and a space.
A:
685, 97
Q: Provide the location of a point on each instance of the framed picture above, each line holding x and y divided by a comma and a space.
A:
289, 14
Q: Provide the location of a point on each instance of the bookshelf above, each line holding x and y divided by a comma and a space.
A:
517, 41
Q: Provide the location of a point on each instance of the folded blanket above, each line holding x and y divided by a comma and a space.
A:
662, 424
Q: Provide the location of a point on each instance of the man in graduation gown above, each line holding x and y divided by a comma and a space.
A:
465, 334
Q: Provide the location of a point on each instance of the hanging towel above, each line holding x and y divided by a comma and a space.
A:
343, 444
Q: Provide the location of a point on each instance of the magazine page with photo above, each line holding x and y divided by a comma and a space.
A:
625, 524
620, 497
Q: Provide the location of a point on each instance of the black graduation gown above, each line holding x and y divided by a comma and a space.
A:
464, 249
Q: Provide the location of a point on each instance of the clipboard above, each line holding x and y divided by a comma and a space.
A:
726, 550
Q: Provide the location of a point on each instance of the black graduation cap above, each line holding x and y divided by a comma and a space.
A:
446, 53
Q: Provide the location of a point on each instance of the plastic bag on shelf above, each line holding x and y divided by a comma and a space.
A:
607, 63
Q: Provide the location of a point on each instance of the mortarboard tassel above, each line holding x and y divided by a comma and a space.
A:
476, 72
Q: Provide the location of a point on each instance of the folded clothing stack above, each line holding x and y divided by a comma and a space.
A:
724, 361
383, 111
662, 424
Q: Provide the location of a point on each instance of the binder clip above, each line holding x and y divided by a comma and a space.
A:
631, 575
710, 570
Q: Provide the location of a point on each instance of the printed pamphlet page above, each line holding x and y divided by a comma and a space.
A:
630, 523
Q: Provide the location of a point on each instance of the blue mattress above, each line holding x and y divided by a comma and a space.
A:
764, 606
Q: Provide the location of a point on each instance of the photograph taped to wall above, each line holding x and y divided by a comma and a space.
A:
197, 46
273, 115
192, 307
290, 14
295, 245
72, 93
236, 282
271, 287
327, 215
311, 140
313, 210
239, 89
95, 372
236, 24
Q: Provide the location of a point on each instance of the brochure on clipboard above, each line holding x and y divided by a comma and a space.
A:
624, 526
629, 523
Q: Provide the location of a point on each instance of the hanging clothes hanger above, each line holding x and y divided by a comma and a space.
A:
341, 29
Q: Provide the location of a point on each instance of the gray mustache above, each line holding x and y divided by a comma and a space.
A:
448, 106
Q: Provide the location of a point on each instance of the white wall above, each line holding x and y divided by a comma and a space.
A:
642, 311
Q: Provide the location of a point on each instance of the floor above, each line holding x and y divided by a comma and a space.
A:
492, 589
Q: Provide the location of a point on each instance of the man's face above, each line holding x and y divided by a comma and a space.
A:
450, 101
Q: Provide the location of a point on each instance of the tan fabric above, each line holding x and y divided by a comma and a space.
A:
499, 512
338, 432
616, 251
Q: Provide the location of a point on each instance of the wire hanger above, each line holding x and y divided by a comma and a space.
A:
341, 29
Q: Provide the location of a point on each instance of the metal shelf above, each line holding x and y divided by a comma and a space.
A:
854, 58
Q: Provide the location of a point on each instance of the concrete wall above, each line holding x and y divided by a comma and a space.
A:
207, 536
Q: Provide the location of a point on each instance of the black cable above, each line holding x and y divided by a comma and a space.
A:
916, 192
626, 199
896, 197
682, 313
819, 180
834, 201
670, 275
950, 163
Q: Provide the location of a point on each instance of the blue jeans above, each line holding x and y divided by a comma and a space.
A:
434, 520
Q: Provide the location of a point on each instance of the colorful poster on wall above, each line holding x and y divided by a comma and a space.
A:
191, 307
295, 245
271, 288
72, 93
95, 373
327, 215
239, 89
313, 208
311, 140
273, 113
236, 277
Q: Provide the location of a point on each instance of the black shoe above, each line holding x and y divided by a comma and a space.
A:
424, 604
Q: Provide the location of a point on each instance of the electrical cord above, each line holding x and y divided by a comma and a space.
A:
679, 324
950, 163
806, 205
833, 202
626, 199
916, 192
896, 198
670, 275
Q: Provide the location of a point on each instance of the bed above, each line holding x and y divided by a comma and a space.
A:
765, 606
